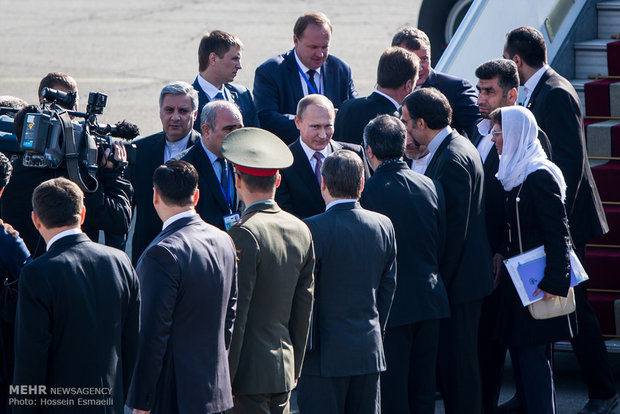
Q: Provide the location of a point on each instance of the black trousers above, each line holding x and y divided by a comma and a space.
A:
408, 385
491, 353
357, 394
457, 360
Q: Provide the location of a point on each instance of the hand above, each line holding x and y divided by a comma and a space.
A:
120, 155
498, 259
546, 296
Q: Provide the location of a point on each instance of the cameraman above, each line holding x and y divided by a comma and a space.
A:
107, 209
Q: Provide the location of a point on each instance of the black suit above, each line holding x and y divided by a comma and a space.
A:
240, 95
189, 295
299, 192
462, 97
416, 207
77, 323
557, 109
492, 353
149, 156
212, 205
466, 270
355, 114
277, 90
353, 294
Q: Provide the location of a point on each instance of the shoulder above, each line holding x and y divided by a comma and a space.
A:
351, 147
541, 181
274, 62
148, 140
333, 61
450, 80
240, 89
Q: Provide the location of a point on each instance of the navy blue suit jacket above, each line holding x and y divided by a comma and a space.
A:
353, 291
212, 205
77, 323
463, 100
277, 90
188, 281
149, 156
417, 209
355, 114
240, 95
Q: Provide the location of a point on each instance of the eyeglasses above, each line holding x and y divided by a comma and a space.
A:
496, 133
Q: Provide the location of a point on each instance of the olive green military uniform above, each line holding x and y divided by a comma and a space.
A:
275, 276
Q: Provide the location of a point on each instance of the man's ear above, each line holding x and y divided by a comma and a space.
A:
35, 220
369, 153
512, 96
196, 197
297, 122
156, 197
82, 214
323, 185
278, 179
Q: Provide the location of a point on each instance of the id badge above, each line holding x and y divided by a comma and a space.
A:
231, 219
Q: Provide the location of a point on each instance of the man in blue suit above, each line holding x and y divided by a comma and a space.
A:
189, 295
460, 92
416, 206
353, 295
282, 81
219, 60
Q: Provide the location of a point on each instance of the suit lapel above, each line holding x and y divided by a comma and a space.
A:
438, 152
207, 174
330, 80
304, 169
539, 87
476, 138
293, 74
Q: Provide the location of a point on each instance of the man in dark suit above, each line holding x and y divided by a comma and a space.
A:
555, 104
77, 312
218, 204
219, 60
189, 295
300, 191
466, 265
498, 81
276, 261
460, 92
178, 103
416, 207
282, 81
396, 77
353, 295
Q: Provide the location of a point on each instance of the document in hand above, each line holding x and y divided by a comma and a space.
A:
527, 270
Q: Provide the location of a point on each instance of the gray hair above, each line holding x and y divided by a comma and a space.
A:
209, 111
180, 88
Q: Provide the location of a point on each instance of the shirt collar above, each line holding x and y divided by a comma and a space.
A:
389, 98
212, 156
62, 234
438, 139
310, 152
209, 89
531, 83
340, 201
303, 67
187, 213
484, 127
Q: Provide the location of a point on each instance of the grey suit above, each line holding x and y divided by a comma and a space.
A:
353, 296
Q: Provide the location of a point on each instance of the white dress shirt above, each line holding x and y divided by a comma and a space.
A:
340, 201
173, 148
485, 145
420, 164
210, 90
389, 98
530, 84
437, 140
318, 78
310, 153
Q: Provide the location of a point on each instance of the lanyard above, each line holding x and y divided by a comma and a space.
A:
305, 77
226, 193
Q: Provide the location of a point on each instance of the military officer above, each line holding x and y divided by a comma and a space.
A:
275, 276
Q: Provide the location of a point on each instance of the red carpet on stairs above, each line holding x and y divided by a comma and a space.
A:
613, 58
